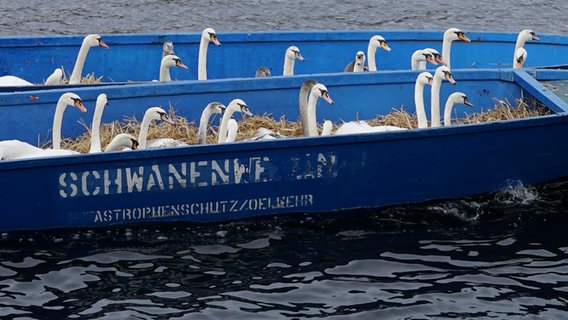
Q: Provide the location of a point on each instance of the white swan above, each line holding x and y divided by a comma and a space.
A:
168, 48
92, 40
151, 114
168, 62
437, 58
442, 73
419, 58
292, 53
422, 80
66, 99
262, 72
317, 91
236, 105
520, 58
522, 38
13, 81
454, 98
374, 43
102, 101
16, 149
451, 35
357, 65
122, 140
361, 126
54, 78
210, 109
207, 35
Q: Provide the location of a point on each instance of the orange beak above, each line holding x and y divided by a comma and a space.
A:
79, 105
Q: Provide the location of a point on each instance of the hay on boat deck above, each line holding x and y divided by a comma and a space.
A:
186, 131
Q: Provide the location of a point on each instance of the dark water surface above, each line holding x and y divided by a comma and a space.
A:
503, 256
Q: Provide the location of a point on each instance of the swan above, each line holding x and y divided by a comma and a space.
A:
436, 55
102, 101
210, 109
419, 59
456, 97
168, 62
207, 35
451, 35
262, 72
66, 99
318, 90
361, 126
168, 48
442, 73
292, 53
13, 81
153, 113
16, 149
522, 38
423, 79
520, 58
357, 65
54, 78
236, 105
92, 40
374, 43
122, 140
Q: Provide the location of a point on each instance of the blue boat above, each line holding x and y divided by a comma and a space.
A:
137, 57
228, 181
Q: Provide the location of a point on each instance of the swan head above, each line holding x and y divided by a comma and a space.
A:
453, 34
444, 73
102, 99
262, 72
216, 107
461, 98
436, 55
379, 42
239, 105
94, 40
360, 58
520, 58
173, 61
294, 53
122, 140
209, 35
320, 90
527, 35
425, 78
71, 99
157, 113
168, 48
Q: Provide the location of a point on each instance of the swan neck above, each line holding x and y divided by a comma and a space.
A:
224, 121
143, 135
311, 117
79, 63
448, 112
419, 104
57, 119
435, 102
446, 51
165, 73
203, 122
95, 129
288, 67
303, 102
372, 62
202, 60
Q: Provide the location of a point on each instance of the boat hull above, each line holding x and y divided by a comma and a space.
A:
222, 182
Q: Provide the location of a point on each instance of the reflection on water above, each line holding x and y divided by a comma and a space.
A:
392, 263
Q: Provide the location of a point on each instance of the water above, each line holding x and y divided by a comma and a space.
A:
503, 256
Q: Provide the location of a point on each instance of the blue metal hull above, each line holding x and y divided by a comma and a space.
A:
136, 57
317, 174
